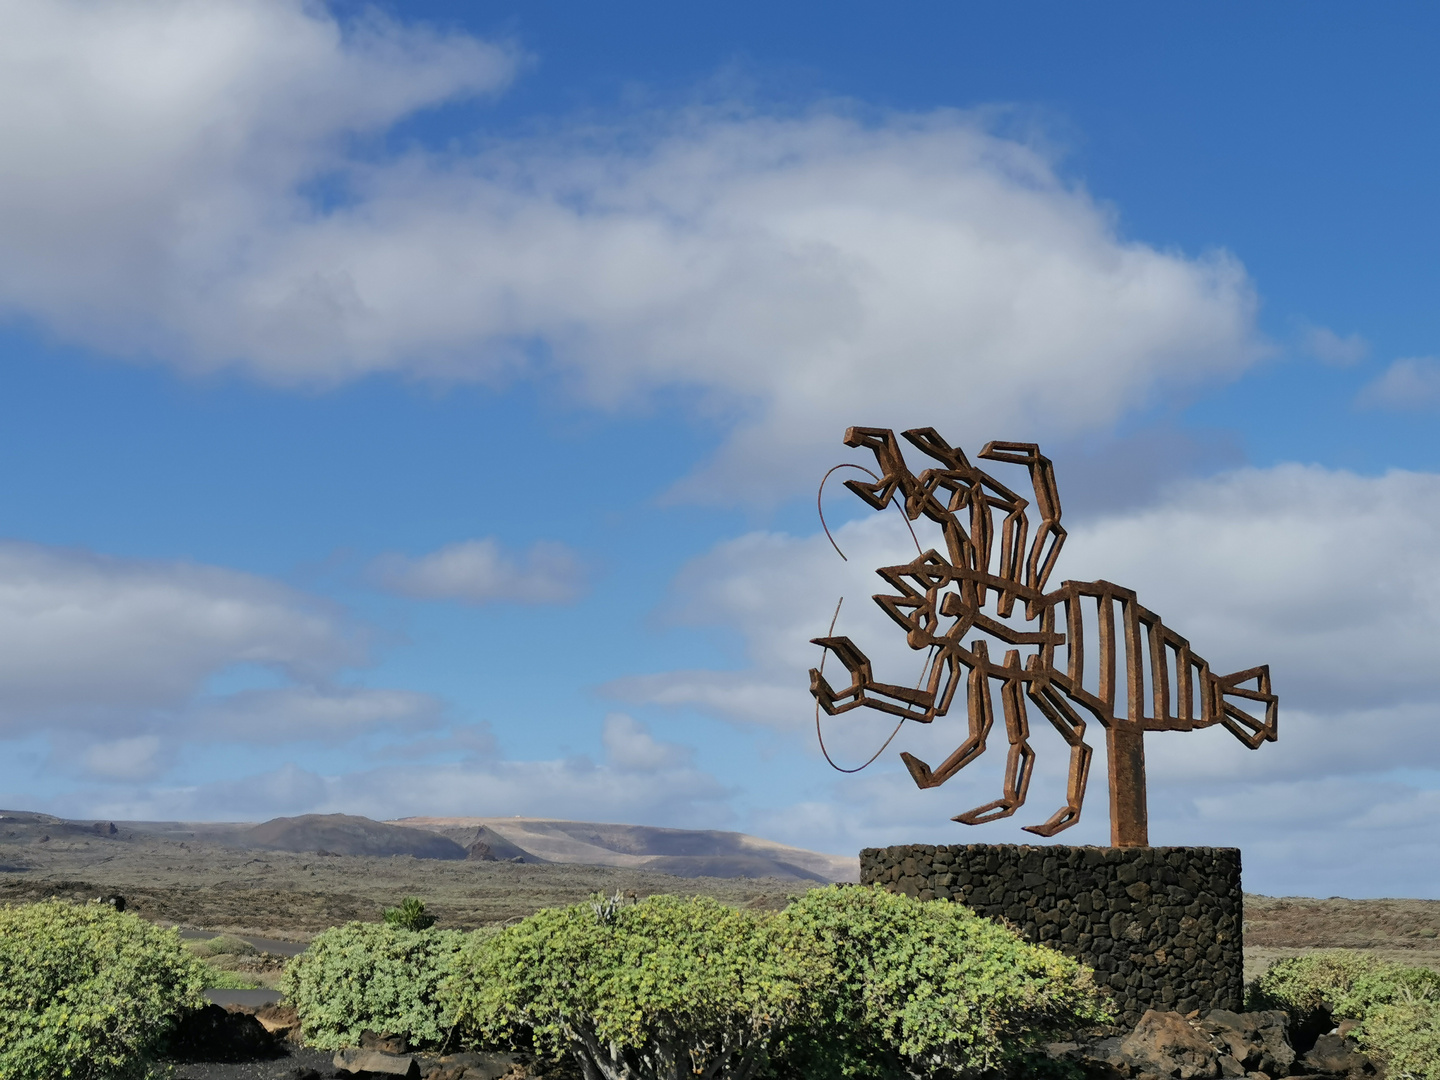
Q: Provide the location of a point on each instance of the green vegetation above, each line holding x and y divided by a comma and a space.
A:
662, 988
410, 915
221, 949
928, 987
1397, 1006
87, 992
223, 945
846, 982
220, 979
375, 976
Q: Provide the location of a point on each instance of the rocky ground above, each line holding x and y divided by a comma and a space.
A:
290, 896
1403, 930
278, 900
257, 1044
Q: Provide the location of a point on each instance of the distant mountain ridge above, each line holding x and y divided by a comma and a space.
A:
678, 852
681, 852
346, 834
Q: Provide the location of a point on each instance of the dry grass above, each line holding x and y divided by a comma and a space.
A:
294, 896
1281, 926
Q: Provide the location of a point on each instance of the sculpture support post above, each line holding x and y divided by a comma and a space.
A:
1125, 755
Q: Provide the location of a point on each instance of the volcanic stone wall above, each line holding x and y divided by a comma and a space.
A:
1160, 926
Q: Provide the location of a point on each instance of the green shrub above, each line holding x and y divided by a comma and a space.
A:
371, 975
87, 992
410, 915
664, 988
928, 987
1397, 1005
1405, 1034
220, 979
223, 945
1303, 984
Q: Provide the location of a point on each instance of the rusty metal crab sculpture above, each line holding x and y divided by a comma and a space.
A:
974, 587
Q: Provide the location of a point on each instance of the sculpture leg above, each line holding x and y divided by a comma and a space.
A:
1125, 753
1021, 760
1072, 729
982, 718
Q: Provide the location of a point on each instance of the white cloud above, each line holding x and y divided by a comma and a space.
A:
327, 713
800, 273
481, 572
472, 742
141, 757
1411, 383
1331, 348
137, 135
780, 591
630, 747
1331, 578
85, 634
114, 661
641, 780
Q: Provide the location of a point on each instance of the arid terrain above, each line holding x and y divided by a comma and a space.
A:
202, 884
290, 895
1279, 926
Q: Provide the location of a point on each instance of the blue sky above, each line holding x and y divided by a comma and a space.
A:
418, 408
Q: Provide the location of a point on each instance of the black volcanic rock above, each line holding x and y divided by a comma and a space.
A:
346, 834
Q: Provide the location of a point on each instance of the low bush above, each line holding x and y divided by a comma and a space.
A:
662, 989
372, 976
223, 945
846, 982
217, 978
88, 992
410, 915
927, 988
1397, 1005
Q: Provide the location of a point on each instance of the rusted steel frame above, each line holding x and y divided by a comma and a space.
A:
1020, 761
981, 712
893, 470
919, 608
1071, 726
923, 617
910, 703
1047, 501
1159, 667
1125, 760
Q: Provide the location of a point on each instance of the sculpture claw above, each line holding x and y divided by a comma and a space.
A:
1059, 821
991, 811
924, 778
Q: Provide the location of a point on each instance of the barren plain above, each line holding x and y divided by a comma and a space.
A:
291, 896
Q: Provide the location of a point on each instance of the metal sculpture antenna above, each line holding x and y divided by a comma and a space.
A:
973, 587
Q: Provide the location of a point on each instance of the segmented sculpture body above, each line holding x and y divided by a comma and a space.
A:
941, 599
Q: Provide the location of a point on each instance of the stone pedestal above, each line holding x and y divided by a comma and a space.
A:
1162, 927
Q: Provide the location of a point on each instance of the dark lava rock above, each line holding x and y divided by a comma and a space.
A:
217, 1034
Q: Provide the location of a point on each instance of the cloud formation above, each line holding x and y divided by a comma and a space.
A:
1331, 348
798, 272
1330, 577
114, 659
85, 634
482, 572
640, 779
1409, 384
